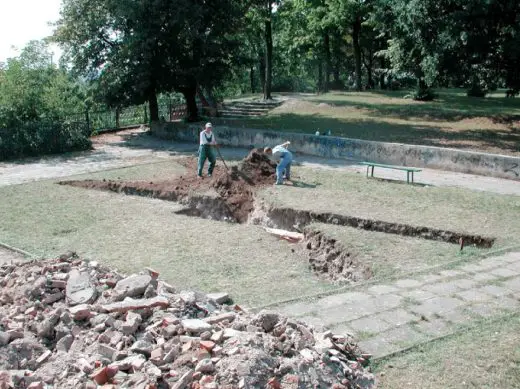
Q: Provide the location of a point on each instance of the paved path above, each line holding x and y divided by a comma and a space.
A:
131, 147
390, 317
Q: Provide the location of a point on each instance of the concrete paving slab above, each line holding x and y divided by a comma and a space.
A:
443, 288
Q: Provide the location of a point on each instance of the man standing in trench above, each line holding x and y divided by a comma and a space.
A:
206, 150
283, 157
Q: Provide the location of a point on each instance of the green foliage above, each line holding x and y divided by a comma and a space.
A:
136, 49
35, 99
32, 88
43, 137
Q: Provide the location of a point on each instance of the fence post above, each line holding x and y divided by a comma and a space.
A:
87, 118
170, 109
145, 115
117, 117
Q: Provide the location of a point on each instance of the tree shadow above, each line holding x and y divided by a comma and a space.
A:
303, 185
449, 106
500, 140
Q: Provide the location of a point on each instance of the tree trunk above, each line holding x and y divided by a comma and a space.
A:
252, 78
154, 107
382, 83
326, 48
320, 76
189, 92
336, 50
262, 71
368, 62
356, 30
268, 52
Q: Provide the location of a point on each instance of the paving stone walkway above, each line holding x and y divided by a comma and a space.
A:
393, 316
131, 147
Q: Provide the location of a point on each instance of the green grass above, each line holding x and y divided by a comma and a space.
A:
454, 209
487, 357
453, 120
131, 233
390, 255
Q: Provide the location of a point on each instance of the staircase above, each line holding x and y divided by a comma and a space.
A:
247, 109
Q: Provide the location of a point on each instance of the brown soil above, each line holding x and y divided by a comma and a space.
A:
330, 260
288, 218
235, 188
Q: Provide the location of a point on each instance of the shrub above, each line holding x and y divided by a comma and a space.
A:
42, 137
423, 94
476, 91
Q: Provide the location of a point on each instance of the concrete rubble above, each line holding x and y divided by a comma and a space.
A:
68, 323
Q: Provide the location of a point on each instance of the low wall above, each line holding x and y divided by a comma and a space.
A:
335, 147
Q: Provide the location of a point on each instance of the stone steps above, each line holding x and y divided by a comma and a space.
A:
244, 109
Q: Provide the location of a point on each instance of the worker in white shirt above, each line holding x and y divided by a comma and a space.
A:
283, 157
207, 150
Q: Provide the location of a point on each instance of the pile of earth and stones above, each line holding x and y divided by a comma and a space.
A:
234, 187
71, 323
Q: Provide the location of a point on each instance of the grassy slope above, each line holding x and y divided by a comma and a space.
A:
453, 120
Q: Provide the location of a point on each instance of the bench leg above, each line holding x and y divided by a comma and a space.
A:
368, 167
412, 177
407, 177
372, 171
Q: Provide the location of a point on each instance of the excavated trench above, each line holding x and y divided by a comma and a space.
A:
230, 197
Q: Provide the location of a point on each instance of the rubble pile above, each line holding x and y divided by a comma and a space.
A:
69, 323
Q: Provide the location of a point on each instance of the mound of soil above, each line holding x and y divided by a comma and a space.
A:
235, 187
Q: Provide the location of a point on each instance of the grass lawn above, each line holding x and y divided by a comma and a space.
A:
454, 209
391, 255
488, 124
131, 233
487, 357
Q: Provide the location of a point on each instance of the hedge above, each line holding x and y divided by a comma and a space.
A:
39, 138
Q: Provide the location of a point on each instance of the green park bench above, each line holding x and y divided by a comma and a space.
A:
409, 170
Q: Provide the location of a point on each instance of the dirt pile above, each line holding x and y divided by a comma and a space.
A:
234, 188
68, 323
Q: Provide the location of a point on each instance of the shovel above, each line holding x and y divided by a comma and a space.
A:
220, 155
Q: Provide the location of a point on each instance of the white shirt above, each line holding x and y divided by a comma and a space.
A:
278, 151
206, 138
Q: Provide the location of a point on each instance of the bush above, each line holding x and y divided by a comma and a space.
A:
424, 94
38, 138
476, 91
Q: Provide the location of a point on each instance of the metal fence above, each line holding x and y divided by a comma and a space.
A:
100, 121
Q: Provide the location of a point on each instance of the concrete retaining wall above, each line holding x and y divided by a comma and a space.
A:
335, 147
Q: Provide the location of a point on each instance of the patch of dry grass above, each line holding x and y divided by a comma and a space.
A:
487, 357
392, 255
131, 233
454, 209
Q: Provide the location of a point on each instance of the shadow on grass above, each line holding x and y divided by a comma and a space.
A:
304, 185
449, 105
376, 130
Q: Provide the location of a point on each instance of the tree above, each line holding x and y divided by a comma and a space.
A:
349, 16
32, 88
138, 49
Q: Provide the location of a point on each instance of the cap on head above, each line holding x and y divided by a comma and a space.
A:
209, 125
